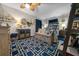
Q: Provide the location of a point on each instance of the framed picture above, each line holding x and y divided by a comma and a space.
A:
77, 11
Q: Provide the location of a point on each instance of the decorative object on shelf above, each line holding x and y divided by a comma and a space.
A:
75, 25
32, 6
7, 25
7, 19
23, 21
77, 11
19, 26
29, 23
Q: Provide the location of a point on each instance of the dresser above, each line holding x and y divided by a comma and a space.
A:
23, 33
4, 41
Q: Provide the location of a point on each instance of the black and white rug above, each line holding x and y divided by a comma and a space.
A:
32, 47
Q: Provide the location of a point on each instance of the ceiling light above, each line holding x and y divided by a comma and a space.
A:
31, 6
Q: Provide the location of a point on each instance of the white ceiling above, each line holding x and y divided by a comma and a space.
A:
45, 10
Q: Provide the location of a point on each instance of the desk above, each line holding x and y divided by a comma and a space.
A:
43, 37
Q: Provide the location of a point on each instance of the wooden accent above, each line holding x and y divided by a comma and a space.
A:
4, 41
69, 27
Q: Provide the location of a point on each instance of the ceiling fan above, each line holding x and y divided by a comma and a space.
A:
31, 6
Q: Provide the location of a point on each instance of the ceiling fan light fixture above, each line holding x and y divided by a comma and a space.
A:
31, 6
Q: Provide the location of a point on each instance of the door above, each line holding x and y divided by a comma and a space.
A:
38, 24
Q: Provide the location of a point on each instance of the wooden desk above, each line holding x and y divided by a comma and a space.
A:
43, 37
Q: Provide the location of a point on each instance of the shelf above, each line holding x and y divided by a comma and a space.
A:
72, 23
74, 31
70, 50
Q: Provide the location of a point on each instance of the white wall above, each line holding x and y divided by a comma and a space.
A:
18, 15
66, 18
44, 22
56, 10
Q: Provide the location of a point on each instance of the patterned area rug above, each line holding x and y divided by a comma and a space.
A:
32, 47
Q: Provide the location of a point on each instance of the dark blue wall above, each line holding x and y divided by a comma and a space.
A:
38, 24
